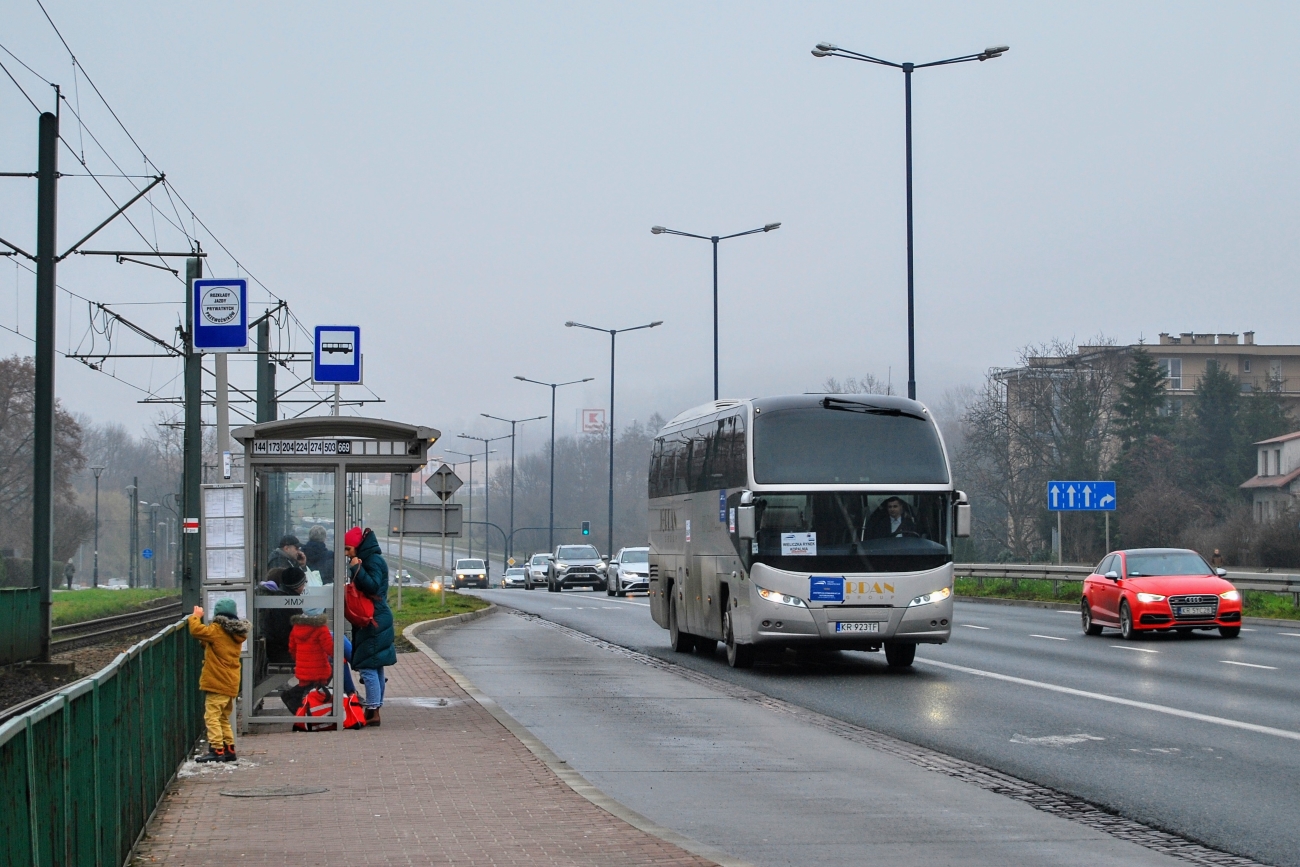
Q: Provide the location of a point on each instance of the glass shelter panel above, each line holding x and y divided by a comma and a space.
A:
293, 574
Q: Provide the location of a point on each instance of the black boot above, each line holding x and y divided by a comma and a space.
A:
214, 755
372, 716
230, 754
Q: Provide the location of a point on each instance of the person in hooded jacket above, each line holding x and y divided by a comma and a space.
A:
222, 640
372, 645
319, 556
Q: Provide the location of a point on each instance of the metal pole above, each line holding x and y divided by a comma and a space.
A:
94, 581
442, 584
223, 410
336, 400
265, 375
715, 239
1108, 532
401, 537
193, 449
911, 316
1060, 540
487, 511
609, 549
511, 545
133, 534
47, 175
551, 521
153, 545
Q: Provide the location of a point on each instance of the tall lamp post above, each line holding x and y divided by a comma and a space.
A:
487, 496
826, 49
469, 540
613, 333
512, 422
94, 579
133, 533
550, 524
153, 544
660, 230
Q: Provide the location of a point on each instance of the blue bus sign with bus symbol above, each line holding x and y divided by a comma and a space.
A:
337, 356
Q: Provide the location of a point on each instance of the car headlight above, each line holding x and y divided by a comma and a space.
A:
1231, 596
781, 598
1150, 597
602, 566
561, 565
933, 596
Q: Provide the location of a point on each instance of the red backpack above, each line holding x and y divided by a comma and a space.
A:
358, 608
317, 702
354, 712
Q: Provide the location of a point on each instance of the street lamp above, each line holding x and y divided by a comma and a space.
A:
826, 49
552, 386
469, 540
512, 422
153, 544
133, 533
487, 497
94, 580
613, 333
660, 230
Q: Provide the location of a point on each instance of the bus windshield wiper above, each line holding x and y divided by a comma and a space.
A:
843, 405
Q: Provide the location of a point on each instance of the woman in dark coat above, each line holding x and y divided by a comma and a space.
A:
372, 645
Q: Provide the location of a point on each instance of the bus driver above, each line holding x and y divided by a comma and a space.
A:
891, 518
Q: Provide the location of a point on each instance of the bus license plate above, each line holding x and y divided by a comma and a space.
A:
1196, 611
857, 627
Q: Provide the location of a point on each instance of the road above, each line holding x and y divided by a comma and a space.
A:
1199, 736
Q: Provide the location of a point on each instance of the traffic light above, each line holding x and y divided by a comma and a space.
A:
586, 528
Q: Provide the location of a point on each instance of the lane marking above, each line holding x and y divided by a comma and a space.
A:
1248, 664
1247, 629
1292, 634
1138, 649
1114, 699
973, 626
1049, 637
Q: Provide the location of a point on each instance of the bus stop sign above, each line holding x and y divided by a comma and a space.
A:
337, 356
220, 309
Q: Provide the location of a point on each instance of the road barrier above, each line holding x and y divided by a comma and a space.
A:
1271, 582
20, 624
81, 774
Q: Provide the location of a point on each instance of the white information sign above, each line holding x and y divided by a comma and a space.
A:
798, 544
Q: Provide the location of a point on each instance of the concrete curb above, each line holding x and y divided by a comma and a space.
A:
1065, 606
558, 766
454, 620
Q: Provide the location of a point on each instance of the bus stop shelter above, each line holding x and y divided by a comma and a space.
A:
299, 476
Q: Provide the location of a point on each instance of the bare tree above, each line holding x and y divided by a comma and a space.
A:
868, 384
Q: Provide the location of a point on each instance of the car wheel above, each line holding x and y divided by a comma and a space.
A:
682, 642
1126, 630
609, 589
1089, 628
621, 591
1230, 631
738, 655
899, 654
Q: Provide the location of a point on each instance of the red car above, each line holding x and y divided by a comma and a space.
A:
1156, 590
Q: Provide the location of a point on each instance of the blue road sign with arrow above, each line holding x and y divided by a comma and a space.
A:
1081, 496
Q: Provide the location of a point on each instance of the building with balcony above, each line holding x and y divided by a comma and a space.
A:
1276, 484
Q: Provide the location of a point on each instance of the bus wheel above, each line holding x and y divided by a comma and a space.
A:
738, 655
900, 654
682, 642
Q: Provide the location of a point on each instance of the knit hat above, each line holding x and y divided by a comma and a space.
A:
225, 608
290, 539
353, 537
292, 579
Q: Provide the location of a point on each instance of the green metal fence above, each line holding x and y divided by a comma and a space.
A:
20, 624
80, 775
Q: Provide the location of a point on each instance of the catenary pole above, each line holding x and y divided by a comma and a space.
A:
193, 447
47, 175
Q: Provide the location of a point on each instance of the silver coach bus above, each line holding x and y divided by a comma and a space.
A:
808, 521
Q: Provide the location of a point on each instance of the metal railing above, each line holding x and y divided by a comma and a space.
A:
20, 624
81, 773
1272, 582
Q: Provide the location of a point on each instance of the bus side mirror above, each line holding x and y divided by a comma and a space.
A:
745, 523
962, 530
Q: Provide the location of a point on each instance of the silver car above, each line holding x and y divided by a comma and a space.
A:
536, 570
513, 577
576, 566
629, 572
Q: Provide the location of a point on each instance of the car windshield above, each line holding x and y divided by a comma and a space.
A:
540, 559
469, 564
515, 570
851, 531
578, 552
636, 557
846, 441
1158, 564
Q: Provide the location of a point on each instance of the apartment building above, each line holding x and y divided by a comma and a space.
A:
1276, 484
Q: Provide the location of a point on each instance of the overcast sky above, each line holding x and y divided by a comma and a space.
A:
461, 178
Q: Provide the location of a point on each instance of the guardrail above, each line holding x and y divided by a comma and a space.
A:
81, 773
1272, 582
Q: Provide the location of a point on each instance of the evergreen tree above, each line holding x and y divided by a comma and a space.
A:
1214, 430
1141, 401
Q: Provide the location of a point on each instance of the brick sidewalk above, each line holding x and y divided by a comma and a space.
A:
432, 785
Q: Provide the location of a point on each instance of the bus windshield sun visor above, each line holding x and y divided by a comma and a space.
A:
854, 406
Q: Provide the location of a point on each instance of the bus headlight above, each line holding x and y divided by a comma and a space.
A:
934, 596
1230, 596
781, 598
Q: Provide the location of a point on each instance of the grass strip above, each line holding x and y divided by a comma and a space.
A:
1258, 603
76, 606
420, 604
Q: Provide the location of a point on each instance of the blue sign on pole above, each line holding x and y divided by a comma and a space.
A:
1081, 496
337, 358
147, 553
220, 315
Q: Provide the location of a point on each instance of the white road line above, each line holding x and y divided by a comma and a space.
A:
1248, 664
630, 602
1292, 634
1248, 629
1138, 649
1049, 637
973, 626
1113, 699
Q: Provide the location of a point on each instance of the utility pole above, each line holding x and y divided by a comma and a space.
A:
133, 534
223, 414
266, 408
94, 581
47, 174
193, 451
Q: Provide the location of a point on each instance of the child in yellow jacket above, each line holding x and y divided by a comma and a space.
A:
222, 640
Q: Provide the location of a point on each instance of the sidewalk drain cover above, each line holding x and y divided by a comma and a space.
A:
274, 791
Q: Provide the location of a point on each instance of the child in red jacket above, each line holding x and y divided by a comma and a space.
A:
312, 649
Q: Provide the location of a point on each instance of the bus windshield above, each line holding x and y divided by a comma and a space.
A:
851, 531
846, 441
